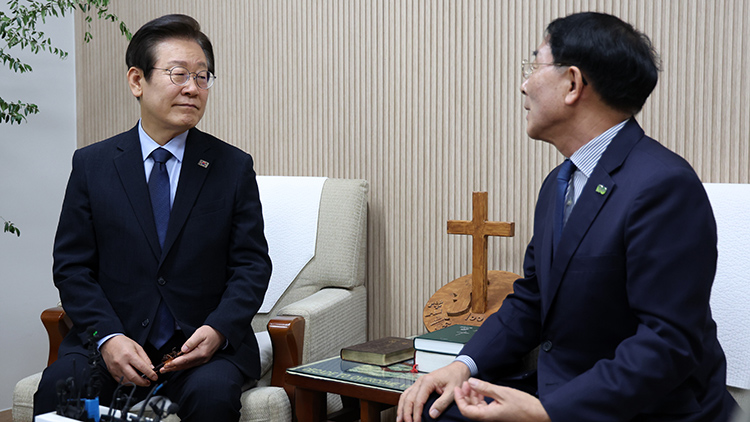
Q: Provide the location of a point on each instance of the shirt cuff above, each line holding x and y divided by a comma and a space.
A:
102, 341
468, 361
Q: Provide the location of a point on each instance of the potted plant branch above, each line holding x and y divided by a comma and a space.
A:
18, 29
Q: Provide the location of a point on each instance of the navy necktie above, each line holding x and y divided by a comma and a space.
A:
158, 186
563, 176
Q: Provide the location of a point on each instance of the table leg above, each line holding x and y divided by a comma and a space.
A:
310, 406
369, 411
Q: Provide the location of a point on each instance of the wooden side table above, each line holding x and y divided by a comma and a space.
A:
375, 387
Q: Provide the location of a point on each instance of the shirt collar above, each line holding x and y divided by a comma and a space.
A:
587, 157
176, 145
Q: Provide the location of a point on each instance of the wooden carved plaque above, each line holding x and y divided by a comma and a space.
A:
451, 304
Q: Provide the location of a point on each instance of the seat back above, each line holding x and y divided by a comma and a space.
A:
340, 248
731, 207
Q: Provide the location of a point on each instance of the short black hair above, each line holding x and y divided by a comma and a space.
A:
617, 60
140, 52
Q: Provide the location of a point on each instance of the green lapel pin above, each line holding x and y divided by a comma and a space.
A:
601, 189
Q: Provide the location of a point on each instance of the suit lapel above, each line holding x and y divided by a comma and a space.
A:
128, 161
192, 176
587, 208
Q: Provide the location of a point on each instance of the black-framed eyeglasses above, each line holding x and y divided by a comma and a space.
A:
528, 67
180, 76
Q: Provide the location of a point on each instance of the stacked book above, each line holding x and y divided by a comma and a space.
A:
381, 352
439, 348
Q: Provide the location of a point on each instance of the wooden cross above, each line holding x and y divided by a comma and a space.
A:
479, 228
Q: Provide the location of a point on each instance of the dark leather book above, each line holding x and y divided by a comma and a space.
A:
382, 352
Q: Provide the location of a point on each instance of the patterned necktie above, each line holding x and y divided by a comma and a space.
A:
563, 176
158, 186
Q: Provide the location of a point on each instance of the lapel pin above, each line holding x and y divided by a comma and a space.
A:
203, 163
601, 189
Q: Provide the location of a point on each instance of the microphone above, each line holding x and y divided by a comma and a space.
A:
118, 398
94, 383
69, 403
151, 393
172, 409
160, 411
95, 377
62, 397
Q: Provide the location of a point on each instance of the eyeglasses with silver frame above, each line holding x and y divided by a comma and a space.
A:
528, 67
180, 76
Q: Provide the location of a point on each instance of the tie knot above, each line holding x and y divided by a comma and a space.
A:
566, 169
161, 155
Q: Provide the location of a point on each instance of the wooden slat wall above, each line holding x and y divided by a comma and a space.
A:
421, 98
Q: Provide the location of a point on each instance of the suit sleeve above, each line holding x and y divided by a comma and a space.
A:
670, 244
514, 330
249, 266
510, 333
76, 259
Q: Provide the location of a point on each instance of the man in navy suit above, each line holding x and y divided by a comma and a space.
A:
618, 299
188, 276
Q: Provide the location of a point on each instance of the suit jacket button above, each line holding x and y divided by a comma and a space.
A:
547, 346
161, 281
145, 322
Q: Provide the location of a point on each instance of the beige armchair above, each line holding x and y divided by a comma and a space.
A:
323, 310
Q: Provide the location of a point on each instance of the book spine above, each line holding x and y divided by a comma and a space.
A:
429, 361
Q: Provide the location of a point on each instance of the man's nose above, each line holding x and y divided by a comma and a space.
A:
523, 86
191, 87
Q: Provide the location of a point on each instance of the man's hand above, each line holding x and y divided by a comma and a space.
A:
443, 381
509, 405
197, 350
126, 360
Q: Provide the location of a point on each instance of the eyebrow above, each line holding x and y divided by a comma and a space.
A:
184, 63
534, 53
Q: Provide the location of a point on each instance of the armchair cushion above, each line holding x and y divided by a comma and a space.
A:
266, 351
23, 398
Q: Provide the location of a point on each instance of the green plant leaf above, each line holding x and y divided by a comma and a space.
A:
16, 112
10, 228
18, 29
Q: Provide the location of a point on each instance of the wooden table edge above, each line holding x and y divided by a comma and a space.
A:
370, 393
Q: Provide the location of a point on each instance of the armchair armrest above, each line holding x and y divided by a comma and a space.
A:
57, 324
315, 328
334, 318
287, 336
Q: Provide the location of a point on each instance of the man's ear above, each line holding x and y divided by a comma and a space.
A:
135, 81
575, 81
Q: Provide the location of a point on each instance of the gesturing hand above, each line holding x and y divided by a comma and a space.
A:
509, 404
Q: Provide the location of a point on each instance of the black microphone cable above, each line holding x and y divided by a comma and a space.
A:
158, 411
116, 399
151, 393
